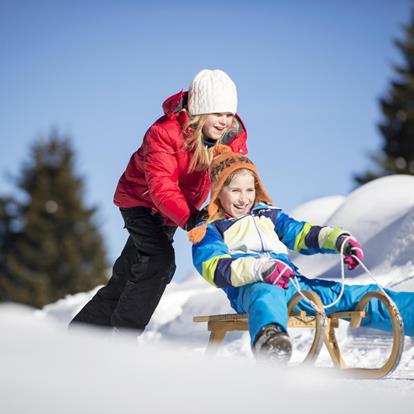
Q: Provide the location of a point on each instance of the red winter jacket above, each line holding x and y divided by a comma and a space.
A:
157, 174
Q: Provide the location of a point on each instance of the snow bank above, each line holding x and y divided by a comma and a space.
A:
318, 210
47, 370
380, 215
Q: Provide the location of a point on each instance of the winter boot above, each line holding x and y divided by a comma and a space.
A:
273, 343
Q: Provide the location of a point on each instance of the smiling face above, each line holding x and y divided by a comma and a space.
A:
237, 198
217, 125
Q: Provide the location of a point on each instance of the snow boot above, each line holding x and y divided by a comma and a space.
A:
274, 344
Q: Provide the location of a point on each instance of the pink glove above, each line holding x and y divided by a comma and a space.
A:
352, 250
277, 273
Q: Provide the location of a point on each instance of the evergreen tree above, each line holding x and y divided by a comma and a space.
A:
49, 243
397, 128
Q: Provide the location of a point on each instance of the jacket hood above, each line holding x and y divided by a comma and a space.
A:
175, 103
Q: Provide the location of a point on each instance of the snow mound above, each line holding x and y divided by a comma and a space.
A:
318, 210
375, 205
380, 215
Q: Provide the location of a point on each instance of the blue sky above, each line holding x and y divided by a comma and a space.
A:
309, 76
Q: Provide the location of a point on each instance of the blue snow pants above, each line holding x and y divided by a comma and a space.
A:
265, 303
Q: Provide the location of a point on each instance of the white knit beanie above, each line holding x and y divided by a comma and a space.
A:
212, 91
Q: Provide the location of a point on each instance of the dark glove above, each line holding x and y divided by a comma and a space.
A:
277, 273
351, 250
195, 218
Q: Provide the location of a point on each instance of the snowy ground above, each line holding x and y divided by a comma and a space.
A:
46, 369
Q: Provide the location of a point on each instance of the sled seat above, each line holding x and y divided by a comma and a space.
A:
324, 326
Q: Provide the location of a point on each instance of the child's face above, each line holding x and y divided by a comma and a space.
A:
217, 125
238, 197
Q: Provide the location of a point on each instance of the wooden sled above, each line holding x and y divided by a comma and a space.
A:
324, 326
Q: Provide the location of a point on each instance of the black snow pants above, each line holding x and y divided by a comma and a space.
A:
139, 276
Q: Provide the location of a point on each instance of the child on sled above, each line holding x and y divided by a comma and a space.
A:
242, 248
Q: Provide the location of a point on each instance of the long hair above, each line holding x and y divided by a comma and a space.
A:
193, 135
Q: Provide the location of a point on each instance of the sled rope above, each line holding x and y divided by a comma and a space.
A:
299, 290
374, 280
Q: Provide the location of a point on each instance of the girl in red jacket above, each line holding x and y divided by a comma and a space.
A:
163, 187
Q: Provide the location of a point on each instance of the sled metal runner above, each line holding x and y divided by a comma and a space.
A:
324, 326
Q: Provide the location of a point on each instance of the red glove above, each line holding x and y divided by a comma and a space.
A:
277, 273
351, 250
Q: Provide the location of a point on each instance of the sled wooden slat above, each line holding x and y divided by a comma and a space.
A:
235, 325
354, 316
232, 317
219, 325
238, 322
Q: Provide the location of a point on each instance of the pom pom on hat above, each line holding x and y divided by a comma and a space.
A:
196, 234
212, 91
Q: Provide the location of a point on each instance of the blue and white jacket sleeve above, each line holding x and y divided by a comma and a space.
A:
304, 237
213, 261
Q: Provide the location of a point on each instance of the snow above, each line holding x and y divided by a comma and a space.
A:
47, 369
318, 210
380, 215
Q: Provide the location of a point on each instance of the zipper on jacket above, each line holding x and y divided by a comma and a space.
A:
258, 232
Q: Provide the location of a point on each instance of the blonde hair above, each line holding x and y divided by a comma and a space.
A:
220, 212
193, 135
